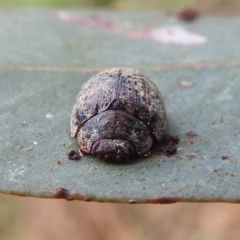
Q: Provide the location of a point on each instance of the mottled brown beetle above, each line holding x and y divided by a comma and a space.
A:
118, 115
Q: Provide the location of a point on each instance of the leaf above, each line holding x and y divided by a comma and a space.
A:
45, 60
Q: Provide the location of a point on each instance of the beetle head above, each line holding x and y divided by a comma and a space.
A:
114, 150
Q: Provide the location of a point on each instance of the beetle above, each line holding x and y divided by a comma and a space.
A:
118, 115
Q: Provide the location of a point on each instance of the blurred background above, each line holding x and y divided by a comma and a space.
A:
40, 219
209, 6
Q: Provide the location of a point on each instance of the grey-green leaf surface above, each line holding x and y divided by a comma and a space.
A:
44, 61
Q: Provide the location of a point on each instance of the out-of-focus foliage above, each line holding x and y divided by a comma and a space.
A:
56, 3
228, 6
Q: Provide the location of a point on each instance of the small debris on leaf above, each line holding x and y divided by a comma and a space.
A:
35, 143
20, 146
65, 144
191, 136
216, 170
190, 156
24, 124
188, 14
29, 149
167, 145
59, 162
185, 84
49, 115
74, 155
224, 157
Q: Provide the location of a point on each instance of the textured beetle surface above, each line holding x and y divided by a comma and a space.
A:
118, 115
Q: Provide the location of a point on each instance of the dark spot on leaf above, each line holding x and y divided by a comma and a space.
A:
188, 14
167, 145
61, 193
163, 200
73, 155
224, 157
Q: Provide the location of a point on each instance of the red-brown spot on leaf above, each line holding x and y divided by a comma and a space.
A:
190, 156
163, 200
188, 14
191, 136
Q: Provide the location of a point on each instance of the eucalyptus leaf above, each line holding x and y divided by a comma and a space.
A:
45, 60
